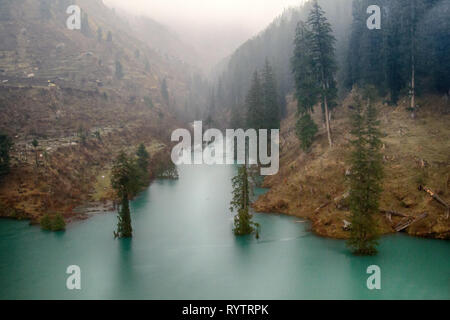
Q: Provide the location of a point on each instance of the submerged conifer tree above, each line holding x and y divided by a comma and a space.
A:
365, 180
125, 181
243, 224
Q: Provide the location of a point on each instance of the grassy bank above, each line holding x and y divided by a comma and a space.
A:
416, 152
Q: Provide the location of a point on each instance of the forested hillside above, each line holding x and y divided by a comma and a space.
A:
409, 55
412, 33
275, 44
388, 87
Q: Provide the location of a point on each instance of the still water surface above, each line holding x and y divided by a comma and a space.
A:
184, 248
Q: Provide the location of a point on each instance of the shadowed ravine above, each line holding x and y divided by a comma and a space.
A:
184, 248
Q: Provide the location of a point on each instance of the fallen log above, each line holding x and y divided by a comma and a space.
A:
394, 213
322, 206
434, 196
406, 222
342, 197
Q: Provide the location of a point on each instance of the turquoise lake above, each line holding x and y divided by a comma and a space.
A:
183, 248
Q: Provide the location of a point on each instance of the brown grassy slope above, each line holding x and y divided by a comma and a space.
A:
68, 170
415, 152
54, 81
36, 50
71, 175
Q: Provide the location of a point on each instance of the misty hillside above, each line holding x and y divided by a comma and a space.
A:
276, 44
363, 57
37, 49
162, 39
82, 95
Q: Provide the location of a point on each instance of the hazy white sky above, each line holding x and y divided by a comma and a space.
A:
254, 13
224, 23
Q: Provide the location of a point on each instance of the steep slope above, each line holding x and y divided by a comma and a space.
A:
162, 39
416, 152
84, 95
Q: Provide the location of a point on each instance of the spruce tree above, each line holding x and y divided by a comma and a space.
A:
142, 162
353, 69
243, 224
255, 103
303, 68
365, 180
394, 64
314, 65
306, 87
306, 130
321, 42
124, 228
143, 157
125, 180
271, 108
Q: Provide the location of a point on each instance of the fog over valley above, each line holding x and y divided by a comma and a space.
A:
214, 28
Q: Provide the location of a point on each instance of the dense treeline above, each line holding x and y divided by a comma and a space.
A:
407, 55
262, 109
276, 44
130, 174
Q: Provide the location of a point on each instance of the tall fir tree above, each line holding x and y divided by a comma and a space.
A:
303, 67
240, 203
126, 181
365, 180
314, 66
271, 108
143, 157
306, 82
321, 42
255, 104
142, 161
306, 130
